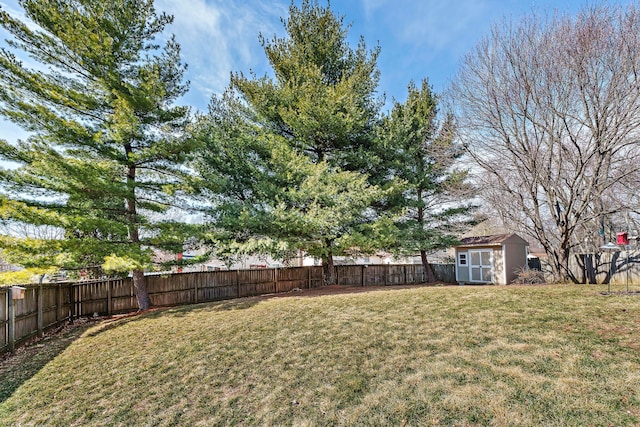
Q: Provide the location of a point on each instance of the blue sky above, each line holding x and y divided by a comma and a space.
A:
418, 38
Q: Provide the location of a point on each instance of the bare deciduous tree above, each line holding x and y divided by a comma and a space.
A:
550, 107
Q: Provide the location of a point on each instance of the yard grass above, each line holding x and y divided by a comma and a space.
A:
504, 356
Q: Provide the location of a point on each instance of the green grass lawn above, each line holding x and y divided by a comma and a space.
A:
505, 356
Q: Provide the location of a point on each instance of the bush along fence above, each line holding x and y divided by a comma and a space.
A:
48, 305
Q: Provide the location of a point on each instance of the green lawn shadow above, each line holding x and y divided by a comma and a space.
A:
28, 360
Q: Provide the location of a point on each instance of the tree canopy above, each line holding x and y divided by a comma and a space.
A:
301, 159
282, 154
322, 97
418, 154
105, 154
549, 107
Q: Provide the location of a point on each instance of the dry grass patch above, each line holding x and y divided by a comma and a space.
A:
425, 356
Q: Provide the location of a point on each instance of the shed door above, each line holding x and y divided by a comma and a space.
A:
481, 264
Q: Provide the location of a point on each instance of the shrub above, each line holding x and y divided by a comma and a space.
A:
526, 276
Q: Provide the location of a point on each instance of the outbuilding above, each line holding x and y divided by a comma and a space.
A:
490, 259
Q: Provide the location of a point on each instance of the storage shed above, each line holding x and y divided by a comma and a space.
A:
490, 259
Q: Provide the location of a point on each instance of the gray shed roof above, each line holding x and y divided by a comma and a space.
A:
494, 240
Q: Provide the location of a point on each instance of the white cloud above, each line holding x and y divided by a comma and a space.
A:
220, 37
217, 37
371, 6
435, 24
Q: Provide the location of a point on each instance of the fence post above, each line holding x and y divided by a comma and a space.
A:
275, 279
386, 274
40, 320
238, 282
58, 304
12, 322
405, 274
309, 270
72, 303
337, 273
362, 277
109, 297
195, 288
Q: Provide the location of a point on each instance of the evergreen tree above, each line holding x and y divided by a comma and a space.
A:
420, 152
105, 153
270, 198
283, 154
323, 96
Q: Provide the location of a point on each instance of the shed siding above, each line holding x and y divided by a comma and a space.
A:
517, 259
462, 271
498, 266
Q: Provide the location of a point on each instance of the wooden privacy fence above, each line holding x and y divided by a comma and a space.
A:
49, 305
118, 296
391, 274
43, 307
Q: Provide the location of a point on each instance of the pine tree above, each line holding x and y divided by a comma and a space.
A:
105, 154
283, 154
323, 96
420, 152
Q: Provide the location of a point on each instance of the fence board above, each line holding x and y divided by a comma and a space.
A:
445, 272
173, 289
123, 296
26, 311
413, 273
396, 275
65, 304
316, 277
49, 306
375, 275
218, 285
293, 278
256, 282
90, 298
349, 275
4, 320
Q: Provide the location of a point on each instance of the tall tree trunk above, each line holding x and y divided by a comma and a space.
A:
327, 264
329, 270
429, 275
139, 281
587, 264
612, 268
561, 271
590, 269
140, 284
